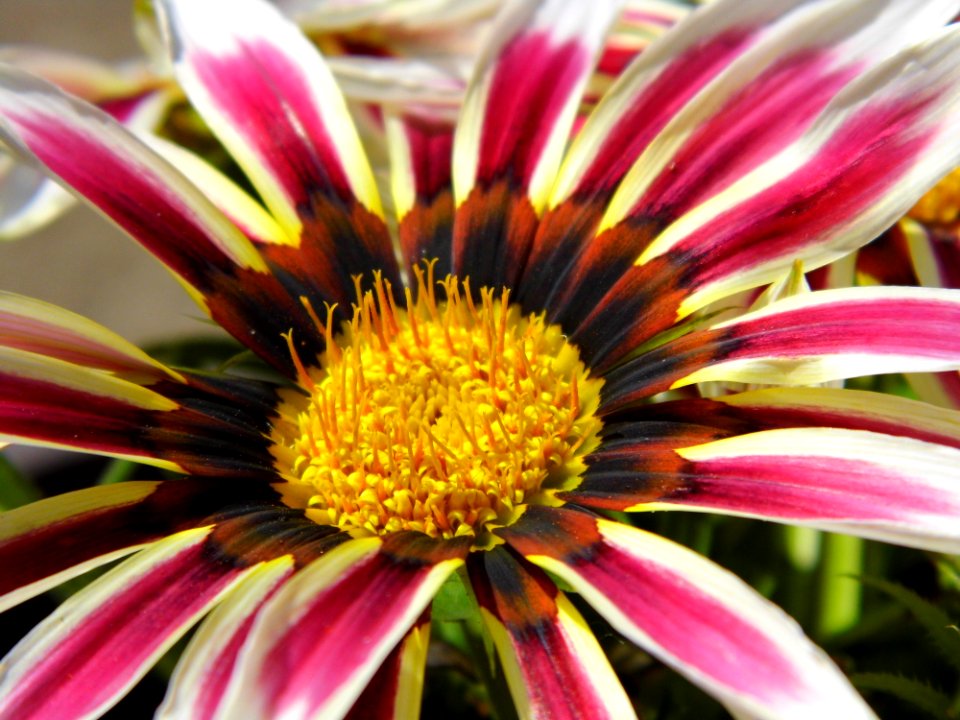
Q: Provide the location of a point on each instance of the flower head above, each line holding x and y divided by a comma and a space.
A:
473, 399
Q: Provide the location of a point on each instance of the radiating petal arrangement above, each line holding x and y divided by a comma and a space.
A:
478, 392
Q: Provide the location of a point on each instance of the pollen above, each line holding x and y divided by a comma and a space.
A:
941, 204
446, 414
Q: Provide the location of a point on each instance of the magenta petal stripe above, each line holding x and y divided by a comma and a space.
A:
505, 157
370, 590
758, 106
395, 691
651, 91
857, 168
205, 426
775, 408
270, 98
884, 487
747, 653
39, 327
202, 676
100, 642
553, 664
113, 520
81, 145
146, 196
803, 340
420, 150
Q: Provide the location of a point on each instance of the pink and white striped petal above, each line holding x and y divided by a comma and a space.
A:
396, 690
38, 541
819, 406
867, 158
804, 340
38, 327
106, 165
882, 487
725, 91
748, 653
270, 98
232, 200
39, 545
420, 152
540, 55
765, 100
327, 630
49, 402
97, 644
553, 664
202, 675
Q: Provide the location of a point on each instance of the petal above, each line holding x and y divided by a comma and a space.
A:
635, 110
804, 340
811, 406
878, 486
863, 162
160, 208
232, 200
28, 199
325, 633
212, 427
45, 329
270, 98
553, 664
746, 652
86, 655
107, 165
941, 389
540, 55
111, 520
197, 686
395, 692
420, 151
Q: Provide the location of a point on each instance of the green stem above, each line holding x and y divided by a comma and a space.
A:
840, 594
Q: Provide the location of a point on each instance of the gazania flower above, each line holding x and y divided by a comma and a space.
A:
478, 408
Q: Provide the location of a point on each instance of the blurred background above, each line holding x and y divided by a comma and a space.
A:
81, 261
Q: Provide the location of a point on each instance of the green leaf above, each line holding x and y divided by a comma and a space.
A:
16, 489
453, 601
916, 693
940, 628
117, 471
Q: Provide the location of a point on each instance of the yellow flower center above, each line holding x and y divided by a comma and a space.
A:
445, 417
941, 204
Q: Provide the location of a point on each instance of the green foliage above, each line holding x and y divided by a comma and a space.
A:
940, 628
914, 692
16, 489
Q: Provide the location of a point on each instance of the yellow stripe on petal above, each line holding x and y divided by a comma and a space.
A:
224, 193
413, 659
50, 510
31, 366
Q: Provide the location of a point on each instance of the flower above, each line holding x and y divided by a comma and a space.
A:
477, 409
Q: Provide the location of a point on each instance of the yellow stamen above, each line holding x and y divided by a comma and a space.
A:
445, 418
941, 204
